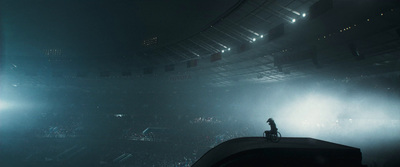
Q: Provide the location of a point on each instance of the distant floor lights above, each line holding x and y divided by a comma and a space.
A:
254, 39
261, 36
293, 20
304, 15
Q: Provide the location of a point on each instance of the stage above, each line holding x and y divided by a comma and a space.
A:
257, 151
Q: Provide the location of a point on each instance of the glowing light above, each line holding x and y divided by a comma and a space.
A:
3, 105
119, 115
304, 15
262, 36
311, 110
229, 49
293, 20
367, 19
254, 39
222, 51
329, 116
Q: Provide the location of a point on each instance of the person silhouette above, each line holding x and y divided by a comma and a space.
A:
272, 124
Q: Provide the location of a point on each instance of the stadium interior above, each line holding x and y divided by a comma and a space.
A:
160, 83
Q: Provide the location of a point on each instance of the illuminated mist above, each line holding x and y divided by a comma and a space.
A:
363, 114
366, 117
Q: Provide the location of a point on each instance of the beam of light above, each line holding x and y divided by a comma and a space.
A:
242, 27
6, 105
310, 113
290, 10
237, 33
355, 121
280, 14
225, 33
218, 43
3, 105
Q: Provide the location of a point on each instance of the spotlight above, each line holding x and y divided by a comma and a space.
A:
119, 115
293, 20
223, 51
254, 39
304, 15
261, 36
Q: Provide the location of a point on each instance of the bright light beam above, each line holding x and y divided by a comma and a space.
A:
3, 105
335, 119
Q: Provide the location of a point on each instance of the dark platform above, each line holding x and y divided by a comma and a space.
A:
257, 151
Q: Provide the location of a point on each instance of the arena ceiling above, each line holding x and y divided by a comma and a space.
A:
259, 41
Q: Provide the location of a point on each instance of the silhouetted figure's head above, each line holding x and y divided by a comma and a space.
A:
270, 121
